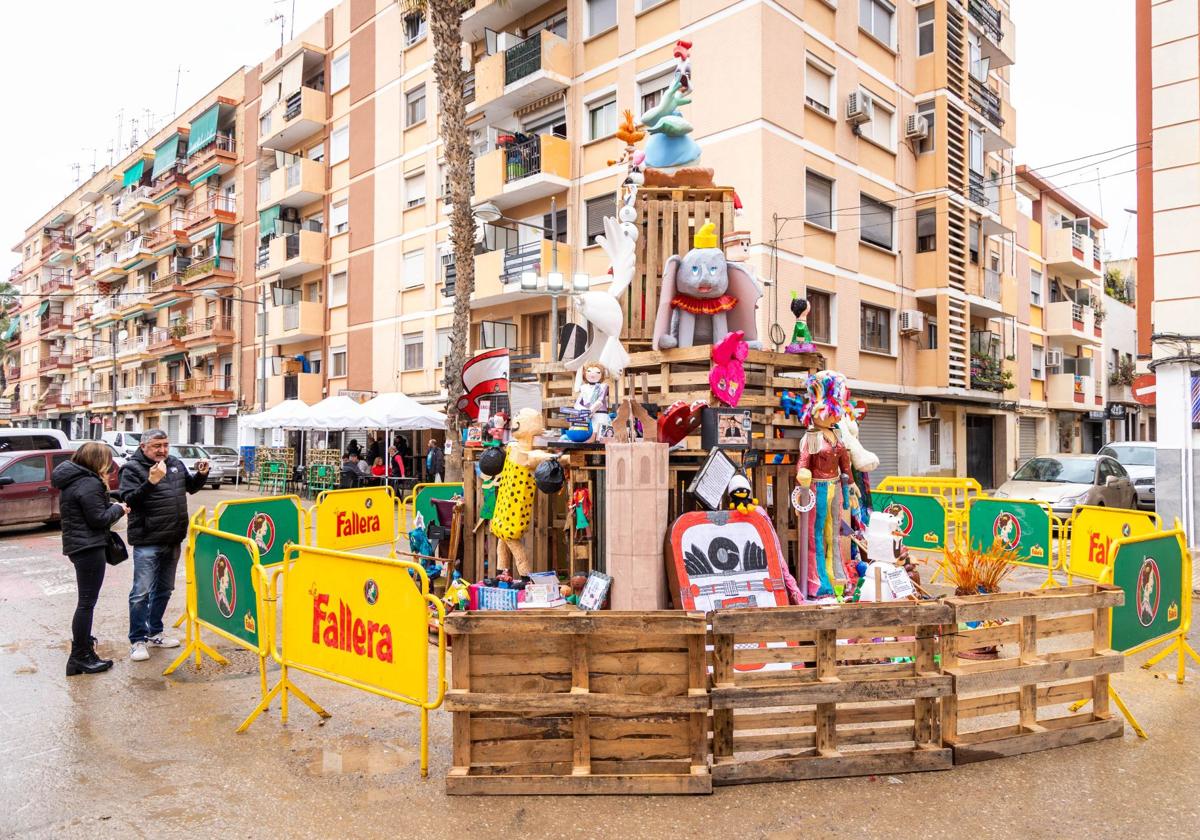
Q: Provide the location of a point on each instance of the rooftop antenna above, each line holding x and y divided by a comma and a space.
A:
179, 71
133, 133
282, 20
91, 149
75, 171
291, 21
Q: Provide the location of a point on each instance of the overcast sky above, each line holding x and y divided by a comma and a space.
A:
74, 65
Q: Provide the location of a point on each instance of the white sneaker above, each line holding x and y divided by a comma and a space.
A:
161, 641
138, 652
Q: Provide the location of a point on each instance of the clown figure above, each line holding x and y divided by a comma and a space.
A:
824, 464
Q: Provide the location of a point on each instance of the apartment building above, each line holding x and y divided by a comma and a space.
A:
126, 317
1127, 418
1168, 124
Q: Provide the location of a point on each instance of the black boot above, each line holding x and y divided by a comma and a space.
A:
83, 660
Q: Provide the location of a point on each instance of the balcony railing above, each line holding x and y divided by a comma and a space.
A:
49, 364
84, 226
207, 327
166, 391
469, 88
986, 101
57, 283
104, 261
133, 346
206, 386
988, 17
221, 143
129, 250
55, 322
523, 60
102, 397
58, 242
133, 394
523, 159
976, 192
172, 336
84, 353
133, 198
521, 258
12, 373
82, 268
164, 234
210, 209
105, 213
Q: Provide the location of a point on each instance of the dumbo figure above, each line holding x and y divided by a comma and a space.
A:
704, 297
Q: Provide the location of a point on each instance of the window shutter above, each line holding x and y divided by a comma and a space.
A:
597, 209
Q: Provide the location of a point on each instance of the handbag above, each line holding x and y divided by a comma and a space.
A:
115, 552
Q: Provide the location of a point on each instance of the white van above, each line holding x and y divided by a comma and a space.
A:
24, 440
124, 442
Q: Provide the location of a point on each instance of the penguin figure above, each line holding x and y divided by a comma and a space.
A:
739, 495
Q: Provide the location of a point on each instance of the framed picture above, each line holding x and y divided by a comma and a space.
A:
713, 478
725, 428
474, 435
594, 591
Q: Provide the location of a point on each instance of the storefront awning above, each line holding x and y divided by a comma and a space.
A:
204, 129
165, 155
133, 175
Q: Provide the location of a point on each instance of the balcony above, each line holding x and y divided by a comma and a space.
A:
299, 183
997, 41
167, 339
12, 373
59, 248
166, 392
133, 395
494, 15
136, 204
102, 399
217, 209
57, 324
293, 322
207, 389
293, 386
171, 184
131, 300
59, 281
986, 102
498, 273
83, 354
213, 330
1071, 324
83, 230
1071, 254
1071, 391
83, 268
108, 221
293, 118
134, 253
106, 308
102, 351
133, 348
55, 363
525, 72
54, 401
219, 270
165, 237
292, 255
81, 399
107, 268
522, 172
218, 157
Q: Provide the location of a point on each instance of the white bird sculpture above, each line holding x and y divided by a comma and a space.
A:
602, 309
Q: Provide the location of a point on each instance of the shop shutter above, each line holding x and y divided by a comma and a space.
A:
1027, 445
173, 428
878, 433
227, 432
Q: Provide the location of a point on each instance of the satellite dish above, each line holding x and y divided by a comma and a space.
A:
123, 335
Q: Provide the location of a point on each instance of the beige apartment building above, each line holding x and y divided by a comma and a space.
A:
870, 144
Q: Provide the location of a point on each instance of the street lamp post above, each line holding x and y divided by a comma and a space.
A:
262, 305
555, 287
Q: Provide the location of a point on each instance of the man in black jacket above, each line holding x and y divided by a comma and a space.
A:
155, 485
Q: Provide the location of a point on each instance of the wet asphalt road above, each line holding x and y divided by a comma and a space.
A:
130, 753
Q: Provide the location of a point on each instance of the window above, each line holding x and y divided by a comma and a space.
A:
643, 5
597, 208
875, 221
820, 309
602, 119
601, 16
339, 72
337, 289
973, 241
27, 470
314, 361
414, 190
442, 344
876, 325
558, 225
925, 30
339, 144
818, 85
1037, 287
875, 18
414, 106
414, 351
881, 128
414, 28
337, 361
414, 269
926, 230
818, 200
555, 24
935, 443
339, 218
651, 91
929, 112
493, 334
931, 334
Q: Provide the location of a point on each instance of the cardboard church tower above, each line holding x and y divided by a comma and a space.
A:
635, 502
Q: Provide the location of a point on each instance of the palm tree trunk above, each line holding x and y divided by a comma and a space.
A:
445, 18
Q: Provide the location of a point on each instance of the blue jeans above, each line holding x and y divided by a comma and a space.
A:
153, 581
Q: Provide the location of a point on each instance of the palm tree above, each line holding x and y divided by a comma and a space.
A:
445, 20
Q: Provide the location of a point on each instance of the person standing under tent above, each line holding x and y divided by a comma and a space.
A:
435, 462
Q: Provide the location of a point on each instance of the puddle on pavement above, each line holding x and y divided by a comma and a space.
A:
365, 758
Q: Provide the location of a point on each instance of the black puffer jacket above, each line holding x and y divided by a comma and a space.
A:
158, 513
87, 513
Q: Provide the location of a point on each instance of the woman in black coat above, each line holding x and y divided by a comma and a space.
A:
87, 516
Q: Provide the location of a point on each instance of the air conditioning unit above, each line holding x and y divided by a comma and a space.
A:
911, 321
916, 127
928, 411
198, 251
859, 108
1054, 358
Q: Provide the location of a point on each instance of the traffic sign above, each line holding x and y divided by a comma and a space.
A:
1145, 389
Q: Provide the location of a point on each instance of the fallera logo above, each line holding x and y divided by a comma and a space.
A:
340, 630
351, 524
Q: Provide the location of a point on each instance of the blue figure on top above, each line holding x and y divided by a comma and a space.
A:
669, 145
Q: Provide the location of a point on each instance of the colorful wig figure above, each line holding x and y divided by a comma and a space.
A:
825, 463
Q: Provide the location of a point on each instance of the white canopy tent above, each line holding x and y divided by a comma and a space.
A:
289, 414
336, 413
399, 412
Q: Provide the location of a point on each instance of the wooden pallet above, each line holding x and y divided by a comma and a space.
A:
833, 705
568, 702
1054, 649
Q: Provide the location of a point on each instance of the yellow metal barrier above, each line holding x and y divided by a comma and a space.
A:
360, 621
359, 517
420, 500
1091, 557
954, 492
1023, 526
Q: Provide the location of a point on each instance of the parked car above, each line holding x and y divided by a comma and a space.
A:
1137, 457
124, 442
24, 440
26, 496
189, 453
229, 459
1065, 481
117, 456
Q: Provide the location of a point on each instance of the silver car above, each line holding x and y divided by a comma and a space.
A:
228, 459
1137, 457
1064, 481
189, 453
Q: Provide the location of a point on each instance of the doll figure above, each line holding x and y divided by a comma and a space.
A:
825, 463
514, 499
801, 338
579, 510
592, 392
736, 246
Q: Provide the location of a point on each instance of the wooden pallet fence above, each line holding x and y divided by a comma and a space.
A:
816, 692
1053, 649
567, 702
